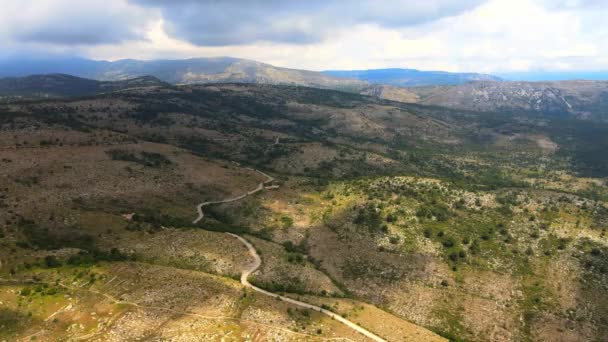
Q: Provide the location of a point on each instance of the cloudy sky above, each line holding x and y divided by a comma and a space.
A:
453, 35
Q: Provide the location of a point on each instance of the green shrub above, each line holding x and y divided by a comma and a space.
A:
51, 261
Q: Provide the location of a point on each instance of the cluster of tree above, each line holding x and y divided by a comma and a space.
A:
49, 239
437, 211
369, 217
86, 258
149, 159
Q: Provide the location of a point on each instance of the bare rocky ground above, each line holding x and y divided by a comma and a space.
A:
138, 301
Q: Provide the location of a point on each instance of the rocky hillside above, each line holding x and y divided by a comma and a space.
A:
580, 99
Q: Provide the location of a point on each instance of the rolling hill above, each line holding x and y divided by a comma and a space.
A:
63, 85
449, 220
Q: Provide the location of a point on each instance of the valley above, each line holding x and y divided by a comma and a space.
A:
414, 222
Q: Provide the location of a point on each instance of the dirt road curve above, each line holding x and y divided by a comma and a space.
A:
257, 262
199, 208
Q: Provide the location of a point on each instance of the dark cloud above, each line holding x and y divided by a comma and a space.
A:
83, 33
210, 22
68, 22
233, 22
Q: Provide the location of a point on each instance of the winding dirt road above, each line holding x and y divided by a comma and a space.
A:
261, 186
257, 261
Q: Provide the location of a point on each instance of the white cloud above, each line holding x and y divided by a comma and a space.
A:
497, 36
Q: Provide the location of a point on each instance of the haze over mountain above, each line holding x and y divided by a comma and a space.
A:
410, 77
536, 76
189, 71
185, 71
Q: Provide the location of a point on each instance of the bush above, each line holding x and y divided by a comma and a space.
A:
286, 222
51, 261
448, 242
369, 217
428, 232
295, 258
475, 248
290, 247
438, 211
453, 256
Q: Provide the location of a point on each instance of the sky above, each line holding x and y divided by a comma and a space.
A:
492, 36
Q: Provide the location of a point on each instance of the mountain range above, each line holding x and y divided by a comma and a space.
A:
228, 69
586, 100
186, 71
193, 71
469, 91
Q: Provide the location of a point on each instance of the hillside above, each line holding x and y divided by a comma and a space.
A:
62, 85
410, 77
580, 99
448, 220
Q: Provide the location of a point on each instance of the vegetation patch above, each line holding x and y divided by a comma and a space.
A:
148, 159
